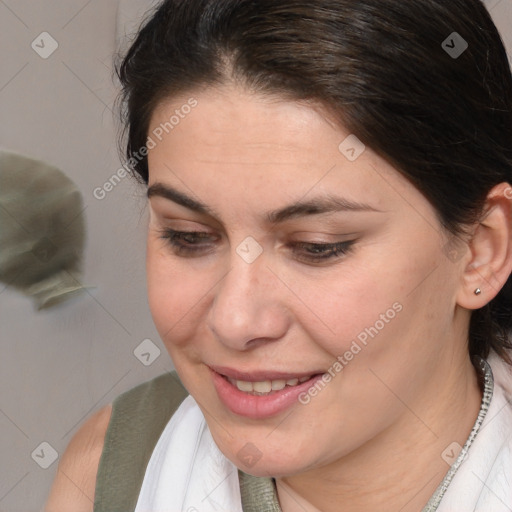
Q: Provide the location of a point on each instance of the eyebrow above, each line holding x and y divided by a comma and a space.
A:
319, 205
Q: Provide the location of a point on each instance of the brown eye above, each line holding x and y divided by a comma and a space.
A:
321, 252
187, 242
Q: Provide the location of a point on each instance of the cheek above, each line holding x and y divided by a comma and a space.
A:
372, 313
351, 304
176, 295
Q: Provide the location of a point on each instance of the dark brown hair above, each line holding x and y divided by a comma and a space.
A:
382, 68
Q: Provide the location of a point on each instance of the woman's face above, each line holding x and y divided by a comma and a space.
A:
253, 297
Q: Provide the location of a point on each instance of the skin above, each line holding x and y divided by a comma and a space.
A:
281, 310
74, 485
372, 439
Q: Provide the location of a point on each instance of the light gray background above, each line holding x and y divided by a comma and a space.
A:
60, 365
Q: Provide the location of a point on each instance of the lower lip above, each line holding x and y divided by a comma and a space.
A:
259, 406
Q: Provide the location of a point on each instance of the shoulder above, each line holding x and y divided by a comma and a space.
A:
74, 484
167, 385
136, 417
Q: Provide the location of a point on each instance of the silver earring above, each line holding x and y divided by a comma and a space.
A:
478, 291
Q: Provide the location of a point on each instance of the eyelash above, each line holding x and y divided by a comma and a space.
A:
334, 250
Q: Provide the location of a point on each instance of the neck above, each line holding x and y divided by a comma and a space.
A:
401, 467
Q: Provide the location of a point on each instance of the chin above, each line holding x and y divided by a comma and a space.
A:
263, 459
270, 468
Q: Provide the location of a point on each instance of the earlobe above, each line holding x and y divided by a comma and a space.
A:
491, 251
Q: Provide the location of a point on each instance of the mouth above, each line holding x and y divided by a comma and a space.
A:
260, 395
267, 387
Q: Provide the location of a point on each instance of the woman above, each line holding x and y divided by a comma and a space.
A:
329, 255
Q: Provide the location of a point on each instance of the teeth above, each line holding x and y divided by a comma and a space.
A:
278, 384
262, 387
266, 386
244, 386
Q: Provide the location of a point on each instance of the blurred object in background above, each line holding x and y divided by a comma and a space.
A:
42, 230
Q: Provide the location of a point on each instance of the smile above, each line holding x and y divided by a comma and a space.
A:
260, 395
266, 387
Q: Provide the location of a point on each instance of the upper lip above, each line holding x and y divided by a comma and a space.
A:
260, 375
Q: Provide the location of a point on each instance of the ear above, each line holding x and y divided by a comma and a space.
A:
491, 251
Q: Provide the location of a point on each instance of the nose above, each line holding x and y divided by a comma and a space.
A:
248, 307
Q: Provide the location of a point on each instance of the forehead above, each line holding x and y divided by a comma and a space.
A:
235, 142
230, 115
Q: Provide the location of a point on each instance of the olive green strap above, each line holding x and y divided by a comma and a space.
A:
138, 419
259, 494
